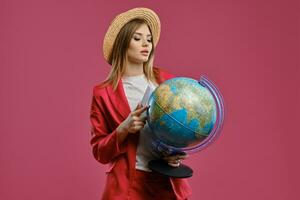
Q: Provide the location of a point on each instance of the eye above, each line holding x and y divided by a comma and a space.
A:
149, 40
136, 39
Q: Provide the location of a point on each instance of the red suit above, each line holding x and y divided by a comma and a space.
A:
108, 109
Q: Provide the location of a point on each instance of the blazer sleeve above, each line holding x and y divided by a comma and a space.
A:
105, 144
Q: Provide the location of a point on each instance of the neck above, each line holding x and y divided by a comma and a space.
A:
134, 69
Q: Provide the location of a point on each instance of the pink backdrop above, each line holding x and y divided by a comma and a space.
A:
51, 57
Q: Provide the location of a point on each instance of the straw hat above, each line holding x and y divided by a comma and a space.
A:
120, 20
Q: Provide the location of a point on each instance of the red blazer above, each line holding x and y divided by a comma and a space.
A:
108, 109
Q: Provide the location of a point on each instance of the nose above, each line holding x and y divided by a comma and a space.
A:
145, 42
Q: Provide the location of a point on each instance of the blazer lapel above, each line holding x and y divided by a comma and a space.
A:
121, 106
119, 100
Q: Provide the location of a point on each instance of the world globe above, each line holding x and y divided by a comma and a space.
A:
184, 116
183, 113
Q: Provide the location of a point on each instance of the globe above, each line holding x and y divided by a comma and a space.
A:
184, 116
182, 113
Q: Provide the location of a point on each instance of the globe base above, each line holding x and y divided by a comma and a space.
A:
161, 167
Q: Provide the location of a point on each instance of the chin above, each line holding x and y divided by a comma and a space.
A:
145, 59
140, 60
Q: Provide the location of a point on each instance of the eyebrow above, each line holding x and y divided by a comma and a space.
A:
142, 34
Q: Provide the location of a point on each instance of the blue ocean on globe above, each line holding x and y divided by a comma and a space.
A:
182, 112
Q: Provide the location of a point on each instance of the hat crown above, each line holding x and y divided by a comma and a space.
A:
120, 20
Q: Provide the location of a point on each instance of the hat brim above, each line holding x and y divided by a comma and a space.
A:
120, 20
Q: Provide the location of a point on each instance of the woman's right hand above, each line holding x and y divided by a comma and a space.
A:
134, 122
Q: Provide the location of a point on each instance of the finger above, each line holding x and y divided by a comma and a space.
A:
144, 118
174, 164
137, 128
138, 123
175, 157
170, 158
135, 118
139, 105
140, 110
138, 118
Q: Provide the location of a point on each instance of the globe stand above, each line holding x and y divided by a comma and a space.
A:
163, 168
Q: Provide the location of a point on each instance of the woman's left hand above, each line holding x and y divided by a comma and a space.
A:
175, 160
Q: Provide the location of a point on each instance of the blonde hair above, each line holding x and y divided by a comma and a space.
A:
118, 56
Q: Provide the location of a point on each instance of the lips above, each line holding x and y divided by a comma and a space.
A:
145, 52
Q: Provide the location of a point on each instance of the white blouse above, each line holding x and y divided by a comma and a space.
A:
135, 87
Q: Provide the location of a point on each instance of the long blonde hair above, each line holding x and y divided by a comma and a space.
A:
118, 56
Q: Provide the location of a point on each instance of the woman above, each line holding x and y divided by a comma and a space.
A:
118, 126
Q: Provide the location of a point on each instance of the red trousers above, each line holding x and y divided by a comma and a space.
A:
149, 185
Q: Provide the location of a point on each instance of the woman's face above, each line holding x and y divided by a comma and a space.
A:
140, 45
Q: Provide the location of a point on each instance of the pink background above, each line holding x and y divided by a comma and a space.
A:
51, 57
